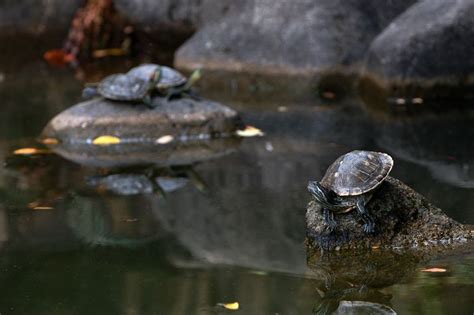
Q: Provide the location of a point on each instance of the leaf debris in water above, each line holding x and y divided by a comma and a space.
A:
106, 140
164, 139
250, 131
42, 208
50, 141
30, 151
230, 306
435, 269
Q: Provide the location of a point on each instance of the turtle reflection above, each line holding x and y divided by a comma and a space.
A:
150, 180
354, 282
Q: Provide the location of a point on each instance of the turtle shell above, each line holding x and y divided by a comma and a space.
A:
121, 87
357, 172
168, 78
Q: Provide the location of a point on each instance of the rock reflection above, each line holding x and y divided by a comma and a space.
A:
146, 153
354, 282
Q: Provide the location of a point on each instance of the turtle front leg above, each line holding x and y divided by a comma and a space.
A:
329, 220
369, 224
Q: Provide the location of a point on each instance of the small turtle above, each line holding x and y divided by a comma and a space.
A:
349, 183
122, 87
171, 83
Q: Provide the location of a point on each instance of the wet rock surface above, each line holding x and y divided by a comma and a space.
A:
248, 37
36, 17
404, 220
192, 130
184, 117
243, 51
424, 53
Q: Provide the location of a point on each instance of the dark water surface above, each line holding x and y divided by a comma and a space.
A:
231, 229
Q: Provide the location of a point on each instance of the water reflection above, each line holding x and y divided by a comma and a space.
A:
354, 282
73, 242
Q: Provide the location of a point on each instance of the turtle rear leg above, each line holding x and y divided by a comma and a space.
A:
329, 220
369, 224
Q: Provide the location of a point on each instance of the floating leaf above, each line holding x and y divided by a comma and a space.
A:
106, 140
435, 269
58, 57
30, 151
417, 100
50, 141
165, 139
230, 306
249, 131
43, 208
102, 53
129, 220
328, 95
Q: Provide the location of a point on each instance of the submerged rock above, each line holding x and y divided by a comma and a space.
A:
423, 55
404, 219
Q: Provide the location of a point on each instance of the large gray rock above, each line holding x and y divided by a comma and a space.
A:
36, 17
404, 220
300, 36
154, 16
267, 48
424, 53
186, 127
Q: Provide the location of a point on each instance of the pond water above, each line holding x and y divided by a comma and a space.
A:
230, 230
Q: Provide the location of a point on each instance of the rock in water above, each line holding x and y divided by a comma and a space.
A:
422, 58
176, 132
404, 219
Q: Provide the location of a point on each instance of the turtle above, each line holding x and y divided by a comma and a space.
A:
125, 88
349, 183
171, 83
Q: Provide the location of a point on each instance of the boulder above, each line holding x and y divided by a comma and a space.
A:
302, 40
404, 220
176, 132
422, 57
36, 17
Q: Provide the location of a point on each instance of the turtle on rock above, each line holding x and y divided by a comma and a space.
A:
170, 82
349, 183
140, 83
123, 88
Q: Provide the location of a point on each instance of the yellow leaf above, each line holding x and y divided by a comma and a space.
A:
249, 131
43, 208
434, 270
230, 306
165, 139
106, 140
30, 151
50, 141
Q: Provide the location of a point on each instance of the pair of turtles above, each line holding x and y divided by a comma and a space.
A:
140, 82
349, 183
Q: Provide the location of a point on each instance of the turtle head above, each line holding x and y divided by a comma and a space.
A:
155, 77
321, 194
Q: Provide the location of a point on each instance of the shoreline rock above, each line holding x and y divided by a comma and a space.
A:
405, 220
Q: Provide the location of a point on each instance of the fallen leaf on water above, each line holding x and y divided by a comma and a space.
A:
106, 140
328, 95
101, 53
258, 272
417, 100
131, 220
58, 57
30, 151
43, 208
434, 270
165, 139
229, 306
249, 131
50, 141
